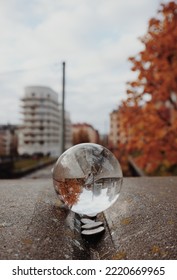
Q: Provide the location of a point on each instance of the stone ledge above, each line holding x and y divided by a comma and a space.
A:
142, 224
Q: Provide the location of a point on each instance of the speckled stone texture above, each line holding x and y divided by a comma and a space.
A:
142, 224
33, 223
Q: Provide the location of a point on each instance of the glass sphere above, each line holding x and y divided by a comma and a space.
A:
87, 178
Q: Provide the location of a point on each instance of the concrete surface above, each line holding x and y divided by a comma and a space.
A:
142, 224
32, 223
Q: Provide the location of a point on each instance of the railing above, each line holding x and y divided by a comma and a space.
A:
134, 169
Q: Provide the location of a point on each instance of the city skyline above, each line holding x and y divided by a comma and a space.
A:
94, 38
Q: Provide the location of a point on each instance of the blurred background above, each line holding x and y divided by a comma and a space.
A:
88, 71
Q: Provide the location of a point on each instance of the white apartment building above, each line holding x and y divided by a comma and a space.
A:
41, 127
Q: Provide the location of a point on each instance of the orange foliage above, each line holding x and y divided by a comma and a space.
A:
149, 115
69, 190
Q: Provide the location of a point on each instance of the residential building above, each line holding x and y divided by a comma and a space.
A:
114, 129
8, 140
41, 125
89, 133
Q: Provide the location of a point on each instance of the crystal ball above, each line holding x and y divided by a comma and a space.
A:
87, 178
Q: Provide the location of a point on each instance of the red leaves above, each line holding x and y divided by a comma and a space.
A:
150, 127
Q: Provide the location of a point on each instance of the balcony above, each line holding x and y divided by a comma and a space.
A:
31, 101
36, 127
38, 118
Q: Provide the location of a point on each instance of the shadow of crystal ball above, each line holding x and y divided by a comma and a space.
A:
87, 178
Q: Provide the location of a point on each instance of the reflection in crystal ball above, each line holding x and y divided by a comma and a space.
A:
87, 178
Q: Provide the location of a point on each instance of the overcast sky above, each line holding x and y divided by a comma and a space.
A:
94, 38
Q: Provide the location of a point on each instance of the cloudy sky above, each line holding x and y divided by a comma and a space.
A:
94, 38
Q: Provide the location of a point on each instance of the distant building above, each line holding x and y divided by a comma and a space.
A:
84, 132
113, 136
41, 127
8, 140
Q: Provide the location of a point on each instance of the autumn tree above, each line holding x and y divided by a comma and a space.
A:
69, 190
149, 115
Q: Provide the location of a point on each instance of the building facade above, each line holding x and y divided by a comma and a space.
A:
113, 137
41, 125
8, 140
84, 129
